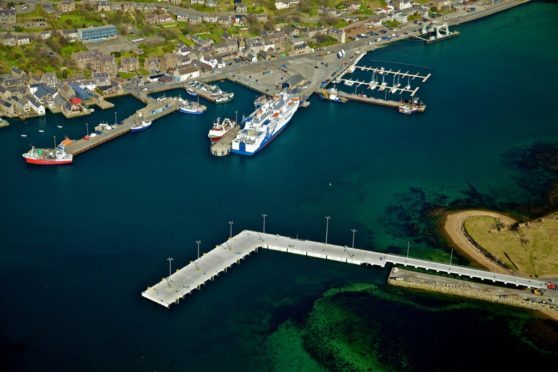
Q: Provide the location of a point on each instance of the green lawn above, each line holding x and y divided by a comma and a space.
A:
78, 19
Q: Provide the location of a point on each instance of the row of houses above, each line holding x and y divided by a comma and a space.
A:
23, 95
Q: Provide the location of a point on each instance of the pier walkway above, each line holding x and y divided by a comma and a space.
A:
398, 73
376, 101
207, 267
381, 87
153, 111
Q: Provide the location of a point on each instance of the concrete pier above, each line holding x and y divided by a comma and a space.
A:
152, 111
191, 277
224, 145
376, 101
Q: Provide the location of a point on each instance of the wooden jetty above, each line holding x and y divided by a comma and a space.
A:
152, 112
206, 268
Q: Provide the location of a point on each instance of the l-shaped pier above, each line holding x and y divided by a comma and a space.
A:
207, 267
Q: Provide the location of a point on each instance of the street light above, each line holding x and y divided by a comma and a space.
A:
451, 256
198, 242
170, 264
327, 227
354, 232
264, 216
230, 228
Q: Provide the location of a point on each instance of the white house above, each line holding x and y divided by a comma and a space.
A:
400, 17
404, 4
281, 5
36, 106
187, 72
252, 57
23, 40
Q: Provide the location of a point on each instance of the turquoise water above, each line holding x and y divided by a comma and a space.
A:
80, 243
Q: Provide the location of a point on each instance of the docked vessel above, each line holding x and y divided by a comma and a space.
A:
191, 92
264, 124
224, 97
138, 127
55, 156
411, 106
258, 102
332, 95
211, 92
220, 128
189, 107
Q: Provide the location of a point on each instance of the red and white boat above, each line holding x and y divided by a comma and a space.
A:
55, 156
220, 128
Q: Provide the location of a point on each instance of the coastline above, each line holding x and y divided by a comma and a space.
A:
494, 9
452, 229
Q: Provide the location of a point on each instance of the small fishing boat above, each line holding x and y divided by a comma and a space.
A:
191, 92
138, 127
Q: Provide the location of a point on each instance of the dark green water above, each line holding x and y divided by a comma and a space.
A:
79, 243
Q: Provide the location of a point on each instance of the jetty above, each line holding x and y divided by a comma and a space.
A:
206, 91
381, 87
224, 145
398, 73
433, 32
237, 248
377, 101
153, 111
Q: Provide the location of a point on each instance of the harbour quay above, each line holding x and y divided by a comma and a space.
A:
224, 145
193, 276
153, 111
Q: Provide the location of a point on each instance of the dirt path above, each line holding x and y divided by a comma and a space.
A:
454, 230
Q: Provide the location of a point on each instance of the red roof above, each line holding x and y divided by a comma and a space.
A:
75, 100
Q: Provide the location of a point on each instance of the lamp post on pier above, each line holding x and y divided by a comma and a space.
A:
263, 228
451, 256
170, 264
354, 232
327, 227
198, 242
230, 228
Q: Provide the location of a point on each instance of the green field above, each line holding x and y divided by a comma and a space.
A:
530, 248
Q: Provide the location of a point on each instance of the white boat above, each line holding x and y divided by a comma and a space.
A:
189, 107
138, 127
220, 128
24, 135
41, 130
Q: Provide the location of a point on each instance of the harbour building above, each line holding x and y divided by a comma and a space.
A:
97, 33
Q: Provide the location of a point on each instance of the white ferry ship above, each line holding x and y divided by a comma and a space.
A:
264, 124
